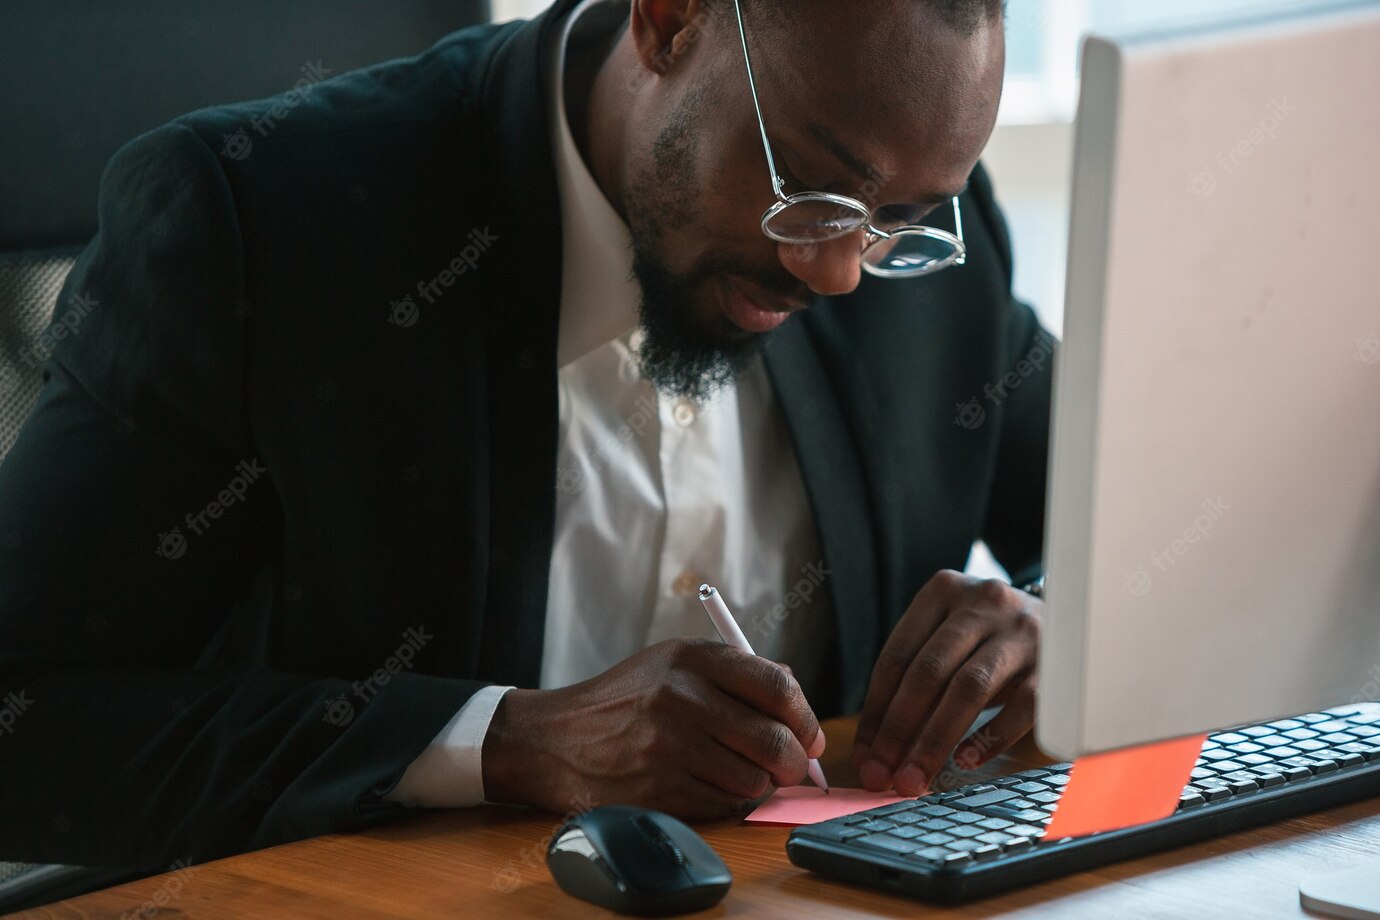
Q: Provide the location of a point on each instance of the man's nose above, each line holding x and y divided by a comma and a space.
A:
830, 268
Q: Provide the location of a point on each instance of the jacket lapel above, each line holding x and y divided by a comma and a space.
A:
522, 207
833, 478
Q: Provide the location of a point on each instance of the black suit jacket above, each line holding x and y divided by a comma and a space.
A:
196, 639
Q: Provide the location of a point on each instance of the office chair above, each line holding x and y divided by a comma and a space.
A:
78, 80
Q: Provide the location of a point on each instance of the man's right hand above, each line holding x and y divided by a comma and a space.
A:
688, 726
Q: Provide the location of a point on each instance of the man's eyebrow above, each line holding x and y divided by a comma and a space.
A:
840, 150
866, 171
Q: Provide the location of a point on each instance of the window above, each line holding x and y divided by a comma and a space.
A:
1043, 39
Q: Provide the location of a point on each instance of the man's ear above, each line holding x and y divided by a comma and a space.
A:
664, 30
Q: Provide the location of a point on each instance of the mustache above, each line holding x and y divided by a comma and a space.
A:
774, 282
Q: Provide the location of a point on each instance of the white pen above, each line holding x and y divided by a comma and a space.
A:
729, 632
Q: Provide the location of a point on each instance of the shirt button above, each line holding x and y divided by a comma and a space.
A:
686, 583
684, 413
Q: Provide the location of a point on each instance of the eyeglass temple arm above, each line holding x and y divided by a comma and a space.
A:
958, 225
776, 182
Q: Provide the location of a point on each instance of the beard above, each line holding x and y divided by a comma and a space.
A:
681, 354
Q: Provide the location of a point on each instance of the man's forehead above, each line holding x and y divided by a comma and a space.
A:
927, 104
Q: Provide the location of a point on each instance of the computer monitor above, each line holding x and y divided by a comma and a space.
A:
1213, 540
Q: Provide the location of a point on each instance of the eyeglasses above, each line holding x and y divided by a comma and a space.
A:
893, 245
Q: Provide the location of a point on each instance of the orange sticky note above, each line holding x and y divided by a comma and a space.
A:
811, 804
1107, 792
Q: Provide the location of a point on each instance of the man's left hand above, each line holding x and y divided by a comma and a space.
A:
962, 646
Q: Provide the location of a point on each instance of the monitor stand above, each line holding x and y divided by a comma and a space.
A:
1353, 894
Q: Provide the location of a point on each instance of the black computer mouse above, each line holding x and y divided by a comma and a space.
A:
636, 861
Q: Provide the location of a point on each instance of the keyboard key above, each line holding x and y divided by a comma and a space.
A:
1244, 784
1216, 754
1191, 799
1255, 760
1310, 746
1348, 759
938, 811
1272, 740
934, 840
1018, 844
887, 842
1255, 731
977, 788
1325, 766
1200, 773
964, 846
995, 824
1029, 788
1026, 830
1282, 752
1295, 773
957, 859
936, 824
1246, 747
1045, 798
1214, 793
1301, 734
933, 854
892, 808
1364, 731
876, 825
1283, 725
984, 798
966, 831
1268, 777
831, 831
1331, 725
1229, 738
996, 837
1228, 766
990, 851
1012, 814
965, 817
1060, 779
906, 833
1366, 749
1338, 738
1312, 718
909, 817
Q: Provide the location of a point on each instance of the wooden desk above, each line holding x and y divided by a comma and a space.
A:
490, 862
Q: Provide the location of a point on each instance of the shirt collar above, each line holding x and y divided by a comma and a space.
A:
600, 297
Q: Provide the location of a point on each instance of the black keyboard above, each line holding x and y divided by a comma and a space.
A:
987, 837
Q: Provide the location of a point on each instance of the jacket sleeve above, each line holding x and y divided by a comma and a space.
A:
1015, 520
136, 524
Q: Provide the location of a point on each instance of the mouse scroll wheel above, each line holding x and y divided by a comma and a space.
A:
658, 838
673, 851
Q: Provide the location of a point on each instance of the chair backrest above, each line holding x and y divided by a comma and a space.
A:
78, 80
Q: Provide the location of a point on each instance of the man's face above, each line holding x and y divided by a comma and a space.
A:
878, 100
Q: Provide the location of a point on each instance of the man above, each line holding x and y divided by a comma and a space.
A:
398, 444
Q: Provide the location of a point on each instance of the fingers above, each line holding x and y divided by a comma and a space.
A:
922, 618
766, 687
921, 689
764, 742
973, 686
1013, 723
697, 800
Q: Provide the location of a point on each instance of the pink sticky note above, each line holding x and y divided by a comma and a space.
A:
810, 804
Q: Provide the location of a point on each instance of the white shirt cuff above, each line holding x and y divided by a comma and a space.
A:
450, 772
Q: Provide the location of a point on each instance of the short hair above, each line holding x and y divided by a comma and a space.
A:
964, 16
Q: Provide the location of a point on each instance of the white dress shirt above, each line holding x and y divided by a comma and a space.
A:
654, 495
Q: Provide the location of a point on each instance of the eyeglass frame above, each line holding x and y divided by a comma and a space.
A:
872, 234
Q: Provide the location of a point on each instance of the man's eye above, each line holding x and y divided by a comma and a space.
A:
901, 215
